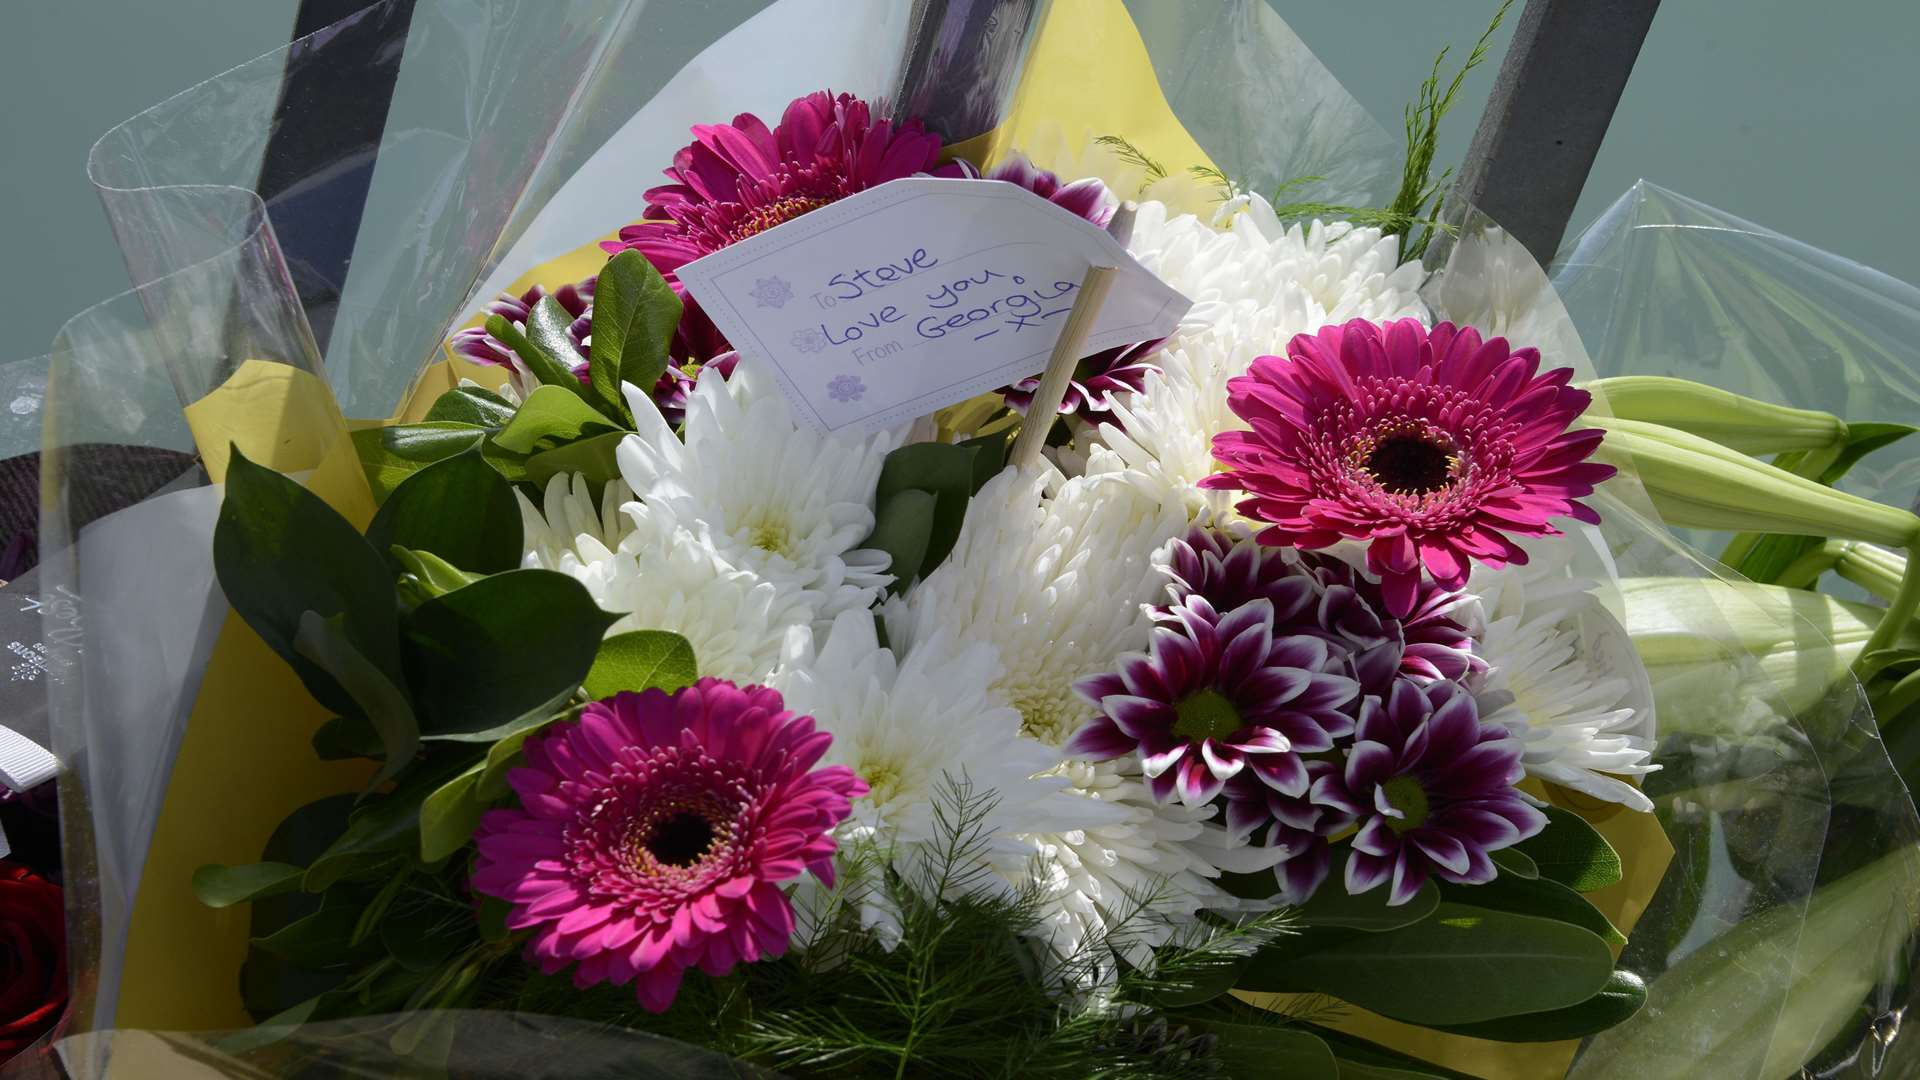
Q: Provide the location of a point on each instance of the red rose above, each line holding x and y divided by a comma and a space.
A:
33, 957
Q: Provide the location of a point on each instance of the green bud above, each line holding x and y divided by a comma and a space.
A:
1715, 649
1698, 483
1740, 423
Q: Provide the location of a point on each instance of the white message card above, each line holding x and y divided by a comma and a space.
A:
919, 294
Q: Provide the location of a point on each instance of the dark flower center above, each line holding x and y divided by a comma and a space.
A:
680, 839
1206, 715
1405, 794
1410, 464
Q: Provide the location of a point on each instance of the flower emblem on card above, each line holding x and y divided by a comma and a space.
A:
846, 388
773, 292
810, 340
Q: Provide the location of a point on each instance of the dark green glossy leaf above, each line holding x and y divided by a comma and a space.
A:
386, 825
388, 455
635, 313
280, 553
423, 938
484, 655
946, 472
989, 456
449, 815
641, 660
552, 369
1514, 861
385, 709
472, 405
224, 886
1536, 896
1363, 1060
1460, 965
424, 575
1622, 996
460, 509
322, 940
1332, 905
346, 737
592, 456
549, 415
1572, 853
1274, 1049
1863, 438
903, 527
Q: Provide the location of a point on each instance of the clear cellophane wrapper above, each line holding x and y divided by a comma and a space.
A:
1771, 899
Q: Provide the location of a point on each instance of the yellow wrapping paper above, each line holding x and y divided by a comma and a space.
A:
246, 760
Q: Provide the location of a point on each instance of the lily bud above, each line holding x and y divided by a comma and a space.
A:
1713, 648
1699, 483
1740, 423
1874, 569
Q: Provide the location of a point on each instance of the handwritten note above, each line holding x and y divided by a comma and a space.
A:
918, 294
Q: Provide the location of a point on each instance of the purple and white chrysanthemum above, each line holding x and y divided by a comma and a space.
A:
1324, 595
1300, 827
1218, 695
1432, 789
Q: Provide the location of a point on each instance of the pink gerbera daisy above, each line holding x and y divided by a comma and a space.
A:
740, 179
1434, 446
652, 833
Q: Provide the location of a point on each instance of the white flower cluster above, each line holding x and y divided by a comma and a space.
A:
741, 532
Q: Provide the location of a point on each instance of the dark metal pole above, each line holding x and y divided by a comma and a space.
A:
1551, 103
326, 136
963, 62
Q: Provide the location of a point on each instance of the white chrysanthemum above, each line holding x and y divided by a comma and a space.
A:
1255, 284
1563, 675
1248, 260
1491, 282
785, 502
740, 625
1054, 574
1138, 882
923, 732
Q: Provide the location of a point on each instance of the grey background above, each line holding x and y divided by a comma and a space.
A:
1798, 116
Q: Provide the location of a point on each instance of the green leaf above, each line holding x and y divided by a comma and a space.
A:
224, 886
1622, 996
382, 705
1267, 1049
459, 509
346, 737
449, 816
549, 413
427, 575
422, 939
550, 368
1199, 983
1332, 905
641, 660
1461, 965
946, 472
1541, 897
989, 456
635, 313
1863, 438
1572, 853
1514, 861
1363, 1060
505, 755
484, 655
322, 940
280, 553
384, 825
388, 455
592, 456
903, 527
472, 405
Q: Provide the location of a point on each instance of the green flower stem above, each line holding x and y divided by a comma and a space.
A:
1900, 612
1804, 571
1871, 567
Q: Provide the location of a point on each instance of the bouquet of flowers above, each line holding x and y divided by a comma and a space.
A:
1306, 688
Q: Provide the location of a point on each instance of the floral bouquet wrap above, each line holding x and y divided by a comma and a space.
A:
522, 675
